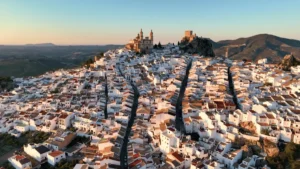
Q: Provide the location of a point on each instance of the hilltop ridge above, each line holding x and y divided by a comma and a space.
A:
257, 47
41, 44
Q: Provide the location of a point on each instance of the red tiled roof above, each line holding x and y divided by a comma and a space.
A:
295, 111
55, 153
264, 124
63, 116
19, 157
178, 156
270, 116
136, 162
262, 117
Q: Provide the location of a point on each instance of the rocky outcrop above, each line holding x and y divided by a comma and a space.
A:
270, 148
248, 126
201, 46
289, 61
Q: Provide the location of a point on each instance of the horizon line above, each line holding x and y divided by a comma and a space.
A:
52, 44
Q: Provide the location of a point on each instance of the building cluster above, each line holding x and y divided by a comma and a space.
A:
269, 98
163, 109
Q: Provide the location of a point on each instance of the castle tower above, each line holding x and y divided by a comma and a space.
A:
151, 35
188, 33
141, 35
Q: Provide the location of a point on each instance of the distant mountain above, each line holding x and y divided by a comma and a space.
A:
41, 44
260, 46
22, 61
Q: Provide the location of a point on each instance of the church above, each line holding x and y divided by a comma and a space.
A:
141, 44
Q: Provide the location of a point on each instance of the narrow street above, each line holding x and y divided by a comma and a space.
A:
106, 98
179, 120
124, 152
231, 87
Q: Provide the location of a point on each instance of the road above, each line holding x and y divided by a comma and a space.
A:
124, 151
179, 121
106, 98
231, 88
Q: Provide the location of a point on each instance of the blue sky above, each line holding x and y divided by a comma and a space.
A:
117, 21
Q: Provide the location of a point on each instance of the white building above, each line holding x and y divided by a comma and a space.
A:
297, 138
262, 61
64, 120
36, 151
231, 157
248, 163
22, 126
168, 140
20, 162
55, 157
295, 70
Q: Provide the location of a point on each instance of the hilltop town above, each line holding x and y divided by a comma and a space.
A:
140, 107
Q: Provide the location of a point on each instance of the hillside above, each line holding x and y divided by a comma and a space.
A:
41, 44
257, 47
28, 60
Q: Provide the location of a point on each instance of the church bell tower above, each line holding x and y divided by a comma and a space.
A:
141, 35
151, 35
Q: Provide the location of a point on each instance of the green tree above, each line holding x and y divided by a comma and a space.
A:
295, 165
73, 129
178, 43
6, 83
6, 79
159, 45
290, 151
155, 46
36, 136
64, 164
99, 55
7, 139
265, 132
88, 62
286, 158
55, 91
7, 165
79, 139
